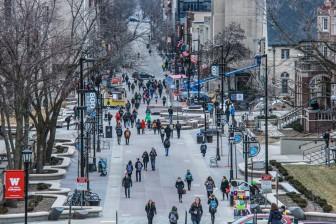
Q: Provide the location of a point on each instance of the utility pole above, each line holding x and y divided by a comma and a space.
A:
222, 77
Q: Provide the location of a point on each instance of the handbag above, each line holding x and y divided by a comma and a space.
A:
227, 190
184, 191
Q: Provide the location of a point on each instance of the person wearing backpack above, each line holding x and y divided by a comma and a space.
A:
209, 186
127, 135
173, 216
145, 159
213, 204
129, 168
166, 145
196, 211
189, 179
275, 215
119, 133
203, 148
138, 167
152, 156
180, 188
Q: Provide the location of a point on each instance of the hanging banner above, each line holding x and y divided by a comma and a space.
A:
14, 184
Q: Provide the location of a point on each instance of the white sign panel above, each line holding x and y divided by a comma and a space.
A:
215, 70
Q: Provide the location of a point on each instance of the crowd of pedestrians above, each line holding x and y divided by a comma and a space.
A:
128, 118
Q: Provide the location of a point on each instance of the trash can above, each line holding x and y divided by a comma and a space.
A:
92, 167
200, 138
209, 138
108, 131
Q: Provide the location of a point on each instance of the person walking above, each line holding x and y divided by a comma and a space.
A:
225, 187
154, 126
178, 127
68, 120
162, 135
145, 159
138, 126
326, 138
173, 216
167, 131
227, 109
196, 211
203, 148
152, 156
275, 215
127, 184
119, 133
109, 118
170, 114
138, 168
143, 126
166, 145
213, 204
150, 210
179, 185
189, 179
129, 168
209, 186
164, 100
233, 113
127, 135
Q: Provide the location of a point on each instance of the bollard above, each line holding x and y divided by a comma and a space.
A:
186, 217
116, 217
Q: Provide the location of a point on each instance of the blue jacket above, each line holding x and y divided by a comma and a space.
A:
275, 217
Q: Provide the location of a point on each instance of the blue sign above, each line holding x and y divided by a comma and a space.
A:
238, 137
254, 150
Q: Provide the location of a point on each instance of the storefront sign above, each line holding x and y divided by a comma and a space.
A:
14, 184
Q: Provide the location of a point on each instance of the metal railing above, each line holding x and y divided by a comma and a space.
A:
290, 117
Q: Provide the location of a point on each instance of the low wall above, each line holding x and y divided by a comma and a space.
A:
290, 145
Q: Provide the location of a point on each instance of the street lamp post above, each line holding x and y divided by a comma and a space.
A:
26, 158
218, 119
266, 116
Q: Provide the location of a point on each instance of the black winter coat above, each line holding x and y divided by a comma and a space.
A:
196, 212
179, 186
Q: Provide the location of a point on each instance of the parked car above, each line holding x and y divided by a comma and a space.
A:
142, 76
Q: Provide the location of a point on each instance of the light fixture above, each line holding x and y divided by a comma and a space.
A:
27, 155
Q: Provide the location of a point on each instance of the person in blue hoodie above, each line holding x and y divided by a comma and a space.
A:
275, 215
232, 113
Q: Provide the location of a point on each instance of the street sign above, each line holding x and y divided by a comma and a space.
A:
81, 183
90, 101
266, 183
238, 137
237, 97
14, 184
254, 149
215, 70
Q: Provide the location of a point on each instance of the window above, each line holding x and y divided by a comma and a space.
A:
284, 86
284, 53
334, 25
325, 51
284, 82
325, 26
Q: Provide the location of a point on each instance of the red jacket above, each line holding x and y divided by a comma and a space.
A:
117, 116
143, 124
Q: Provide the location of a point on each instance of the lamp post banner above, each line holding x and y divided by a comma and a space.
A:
14, 184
